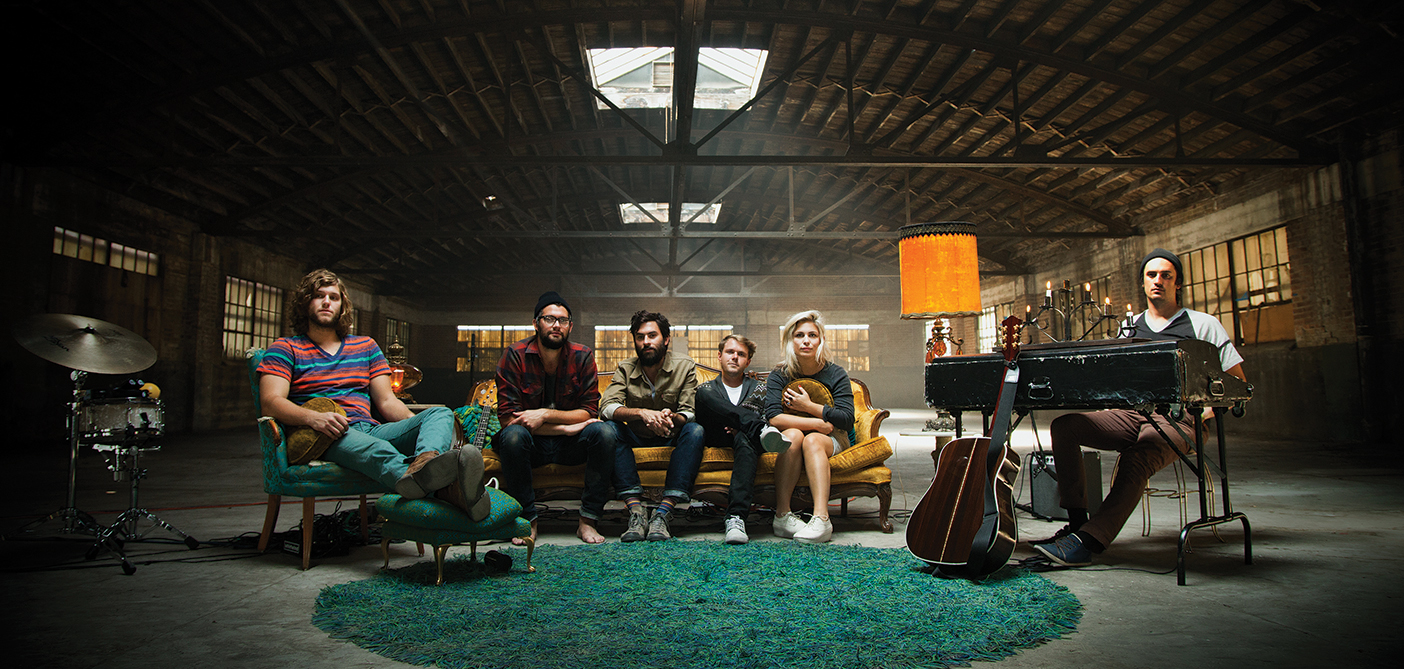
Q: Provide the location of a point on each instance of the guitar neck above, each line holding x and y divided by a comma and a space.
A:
482, 426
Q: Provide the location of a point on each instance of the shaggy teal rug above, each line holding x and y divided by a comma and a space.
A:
680, 604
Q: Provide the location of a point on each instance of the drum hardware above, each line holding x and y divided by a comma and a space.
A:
123, 460
88, 345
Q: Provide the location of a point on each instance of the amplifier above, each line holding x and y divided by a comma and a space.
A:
1043, 484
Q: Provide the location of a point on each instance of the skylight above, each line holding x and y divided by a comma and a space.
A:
642, 77
632, 214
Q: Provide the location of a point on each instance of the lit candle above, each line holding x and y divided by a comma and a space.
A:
1086, 292
1129, 315
1028, 309
1048, 294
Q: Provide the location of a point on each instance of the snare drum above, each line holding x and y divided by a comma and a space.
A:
120, 420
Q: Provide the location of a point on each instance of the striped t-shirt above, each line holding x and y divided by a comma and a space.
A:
344, 377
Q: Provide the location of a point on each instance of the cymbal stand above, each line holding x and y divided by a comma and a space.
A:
124, 465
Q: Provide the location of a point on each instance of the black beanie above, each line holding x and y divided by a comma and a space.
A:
1164, 255
551, 297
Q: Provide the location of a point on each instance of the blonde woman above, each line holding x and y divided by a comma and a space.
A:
804, 431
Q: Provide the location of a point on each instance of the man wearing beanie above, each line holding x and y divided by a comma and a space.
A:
548, 403
1143, 451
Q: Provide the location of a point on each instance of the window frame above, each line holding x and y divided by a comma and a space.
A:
93, 249
479, 360
850, 363
263, 324
990, 337
1233, 296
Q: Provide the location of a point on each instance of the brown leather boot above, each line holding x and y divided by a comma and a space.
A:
453, 494
428, 472
466, 492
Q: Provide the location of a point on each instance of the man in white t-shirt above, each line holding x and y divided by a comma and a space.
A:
1142, 449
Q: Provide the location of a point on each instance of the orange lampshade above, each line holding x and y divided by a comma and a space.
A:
940, 270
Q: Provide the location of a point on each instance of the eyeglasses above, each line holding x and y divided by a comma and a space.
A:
549, 321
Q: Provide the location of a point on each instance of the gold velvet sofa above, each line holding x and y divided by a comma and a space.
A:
856, 472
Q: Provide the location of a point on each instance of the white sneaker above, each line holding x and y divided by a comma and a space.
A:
816, 531
772, 440
736, 530
787, 525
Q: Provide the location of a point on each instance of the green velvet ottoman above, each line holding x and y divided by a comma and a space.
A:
441, 525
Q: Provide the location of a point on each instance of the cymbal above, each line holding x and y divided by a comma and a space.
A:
85, 344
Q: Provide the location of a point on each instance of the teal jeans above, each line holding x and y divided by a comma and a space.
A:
383, 452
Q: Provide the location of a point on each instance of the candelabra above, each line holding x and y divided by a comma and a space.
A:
1060, 307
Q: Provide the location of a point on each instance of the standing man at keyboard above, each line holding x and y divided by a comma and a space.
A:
1143, 451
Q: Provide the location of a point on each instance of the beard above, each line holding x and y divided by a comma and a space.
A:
649, 358
324, 320
546, 339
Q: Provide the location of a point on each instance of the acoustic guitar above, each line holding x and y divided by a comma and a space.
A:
964, 524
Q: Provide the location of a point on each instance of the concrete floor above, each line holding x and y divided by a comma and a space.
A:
1324, 587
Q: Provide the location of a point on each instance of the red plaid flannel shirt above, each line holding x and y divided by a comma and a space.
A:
521, 381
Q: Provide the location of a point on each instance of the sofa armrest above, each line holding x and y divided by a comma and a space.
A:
864, 454
867, 423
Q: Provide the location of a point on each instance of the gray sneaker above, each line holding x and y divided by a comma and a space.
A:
638, 526
736, 530
658, 528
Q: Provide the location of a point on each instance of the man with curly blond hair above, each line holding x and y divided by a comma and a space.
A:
408, 453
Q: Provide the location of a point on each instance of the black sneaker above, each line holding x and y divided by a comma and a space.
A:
1066, 531
1067, 551
638, 526
658, 528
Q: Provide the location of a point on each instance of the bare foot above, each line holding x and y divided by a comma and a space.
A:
518, 541
588, 533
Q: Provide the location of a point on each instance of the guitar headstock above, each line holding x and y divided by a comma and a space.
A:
485, 396
1011, 336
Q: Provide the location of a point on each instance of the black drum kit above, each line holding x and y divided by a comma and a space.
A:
120, 423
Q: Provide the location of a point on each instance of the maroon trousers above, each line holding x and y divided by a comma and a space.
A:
1143, 452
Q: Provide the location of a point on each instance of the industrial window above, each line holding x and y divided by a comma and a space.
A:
657, 212
642, 77
990, 318
397, 330
702, 341
1246, 283
615, 344
483, 346
848, 346
253, 315
95, 249
662, 75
